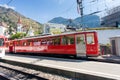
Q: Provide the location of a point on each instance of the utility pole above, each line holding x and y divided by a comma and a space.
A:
80, 10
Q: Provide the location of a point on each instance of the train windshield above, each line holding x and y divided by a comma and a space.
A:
1, 42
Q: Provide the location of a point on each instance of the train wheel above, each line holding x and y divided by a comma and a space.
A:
75, 56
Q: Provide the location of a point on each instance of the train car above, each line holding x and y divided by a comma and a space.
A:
2, 45
73, 44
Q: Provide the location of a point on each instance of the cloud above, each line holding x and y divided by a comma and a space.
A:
61, 1
7, 6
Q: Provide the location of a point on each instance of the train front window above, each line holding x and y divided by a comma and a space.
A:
1, 42
90, 38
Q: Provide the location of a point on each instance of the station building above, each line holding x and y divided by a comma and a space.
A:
3, 28
112, 19
115, 43
54, 28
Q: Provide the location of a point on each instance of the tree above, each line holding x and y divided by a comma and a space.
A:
17, 36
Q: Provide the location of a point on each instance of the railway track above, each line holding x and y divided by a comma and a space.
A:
14, 71
10, 73
67, 68
3, 77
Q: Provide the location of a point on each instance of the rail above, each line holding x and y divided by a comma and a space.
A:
9, 73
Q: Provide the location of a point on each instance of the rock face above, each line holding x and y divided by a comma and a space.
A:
10, 17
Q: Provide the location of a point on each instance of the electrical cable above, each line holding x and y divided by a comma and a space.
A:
9, 2
68, 9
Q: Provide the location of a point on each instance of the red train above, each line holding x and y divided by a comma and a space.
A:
2, 45
75, 44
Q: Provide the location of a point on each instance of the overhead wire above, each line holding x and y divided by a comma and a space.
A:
68, 9
98, 10
9, 2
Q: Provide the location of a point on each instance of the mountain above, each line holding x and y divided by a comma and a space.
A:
59, 20
10, 17
89, 21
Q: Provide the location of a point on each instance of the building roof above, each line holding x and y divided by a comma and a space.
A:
112, 18
117, 36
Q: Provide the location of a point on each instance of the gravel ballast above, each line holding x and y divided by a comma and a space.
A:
18, 76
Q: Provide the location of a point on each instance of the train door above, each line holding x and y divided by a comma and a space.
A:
113, 47
92, 47
2, 50
80, 45
11, 47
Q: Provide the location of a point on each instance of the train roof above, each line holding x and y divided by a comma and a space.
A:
51, 35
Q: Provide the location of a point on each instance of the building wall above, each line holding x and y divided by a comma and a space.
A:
51, 28
117, 45
19, 27
2, 30
112, 19
118, 49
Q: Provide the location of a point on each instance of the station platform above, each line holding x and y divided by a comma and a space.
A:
80, 69
108, 58
111, 57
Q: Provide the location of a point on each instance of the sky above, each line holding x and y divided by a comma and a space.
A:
45, 10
